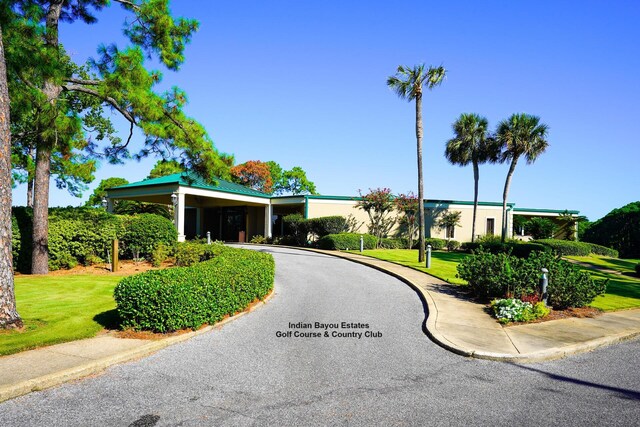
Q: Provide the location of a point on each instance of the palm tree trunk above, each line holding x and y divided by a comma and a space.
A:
9, 317
421, 248
507, 183
476, 177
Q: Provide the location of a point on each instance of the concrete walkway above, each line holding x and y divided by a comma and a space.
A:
453, 322
464, 327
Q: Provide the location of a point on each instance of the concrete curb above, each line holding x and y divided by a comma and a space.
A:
97, 366
442, 341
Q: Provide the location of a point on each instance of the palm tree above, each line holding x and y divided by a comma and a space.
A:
519, 135
473, 144
408, 83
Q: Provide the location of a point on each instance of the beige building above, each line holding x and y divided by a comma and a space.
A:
232, 212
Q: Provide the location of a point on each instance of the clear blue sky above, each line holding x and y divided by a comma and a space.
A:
303, 83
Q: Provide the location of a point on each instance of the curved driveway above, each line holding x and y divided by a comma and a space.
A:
243, 374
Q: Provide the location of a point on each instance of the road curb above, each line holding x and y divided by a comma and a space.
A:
433, 333
99, 365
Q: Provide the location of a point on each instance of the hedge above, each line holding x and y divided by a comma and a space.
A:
602, 250
501, 275
189, 297
520, 250
84, 235
325, 225
345, 241
436, 244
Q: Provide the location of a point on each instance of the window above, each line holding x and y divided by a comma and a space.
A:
491, 224
450, 232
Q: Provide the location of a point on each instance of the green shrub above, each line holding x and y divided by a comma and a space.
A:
192, 252
160, 254
514, 310
326, 225
516, 248
144, 232
389, 243
500, 275
92, 260
188, 297
436, 244
540, 228
297, 228
15, 241
638, 269
452, 245
345, 241
602, 250
566, 247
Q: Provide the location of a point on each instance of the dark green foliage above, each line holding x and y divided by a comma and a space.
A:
328, 225
566, 247
436, 244
297, 228
389, 243
500, 275
345, 241
638, 269
143, 232
521, 250
15, 240
452, 245
78, 235
603, 250
188, 297
619, 229
84, 235
190, 253
540, 228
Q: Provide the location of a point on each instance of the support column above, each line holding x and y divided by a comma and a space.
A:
268, 222
178, 216
109, 205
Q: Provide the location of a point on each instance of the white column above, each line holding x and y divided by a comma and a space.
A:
268, 215
178, 216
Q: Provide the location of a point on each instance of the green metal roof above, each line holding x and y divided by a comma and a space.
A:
192, 180
556, 211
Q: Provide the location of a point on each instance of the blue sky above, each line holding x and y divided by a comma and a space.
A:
304, 83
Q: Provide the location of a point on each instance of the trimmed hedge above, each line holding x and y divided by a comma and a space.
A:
520, 250
389, 243
190, 253
84, 235
567, 247
143, 232
498, 275
436, 244
323, 226
638, 269
189, 297
345, 241
602, 250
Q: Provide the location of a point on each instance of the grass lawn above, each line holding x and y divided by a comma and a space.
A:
443, 264
57, 309
623, 290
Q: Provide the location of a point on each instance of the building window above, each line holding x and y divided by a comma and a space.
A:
450, 232
491, 225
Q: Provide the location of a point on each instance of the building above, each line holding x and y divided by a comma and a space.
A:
232, 212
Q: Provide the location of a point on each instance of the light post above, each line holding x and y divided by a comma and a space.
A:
428, 256
544, 282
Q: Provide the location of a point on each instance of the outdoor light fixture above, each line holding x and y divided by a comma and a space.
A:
104, 202
174, 199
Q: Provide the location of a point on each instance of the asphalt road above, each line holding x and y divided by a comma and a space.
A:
245, 374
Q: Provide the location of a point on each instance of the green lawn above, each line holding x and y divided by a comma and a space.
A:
443, 264
623, 290
57, 309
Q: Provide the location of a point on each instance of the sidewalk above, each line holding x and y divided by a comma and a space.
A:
463, 326
453, 322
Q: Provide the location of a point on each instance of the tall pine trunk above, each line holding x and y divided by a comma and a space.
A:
420, 179
40, 256
476, 178
507, 183
9, 317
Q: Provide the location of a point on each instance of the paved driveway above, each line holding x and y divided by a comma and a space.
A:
244, 374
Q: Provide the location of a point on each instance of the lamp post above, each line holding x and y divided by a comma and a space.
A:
428, 256
104, 202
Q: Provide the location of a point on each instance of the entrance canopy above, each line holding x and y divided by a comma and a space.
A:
226, 210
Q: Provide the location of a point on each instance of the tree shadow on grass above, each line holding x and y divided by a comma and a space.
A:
109, 319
